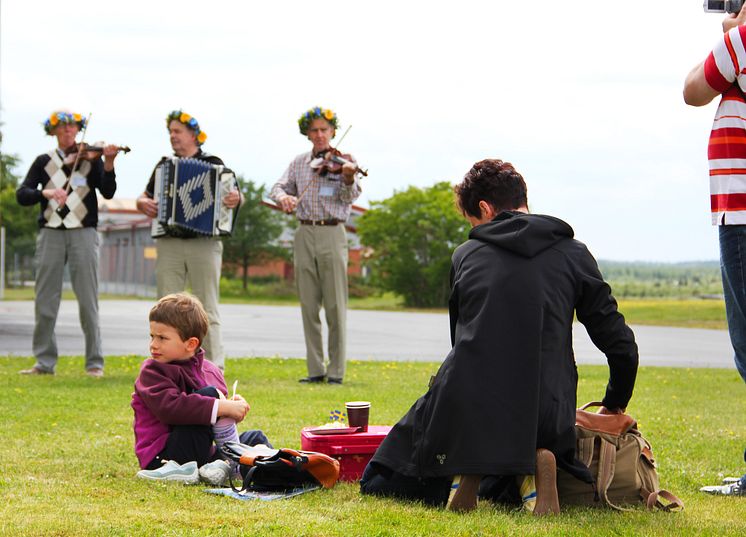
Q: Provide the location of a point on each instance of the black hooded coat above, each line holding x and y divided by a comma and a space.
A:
508, 385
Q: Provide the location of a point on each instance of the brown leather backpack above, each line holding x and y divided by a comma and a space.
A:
621, 462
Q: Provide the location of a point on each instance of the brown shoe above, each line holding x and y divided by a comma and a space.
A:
464, 491
95, 372
36, 370
547, 501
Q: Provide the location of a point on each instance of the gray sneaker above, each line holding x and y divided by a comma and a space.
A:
215, 473
172, 471
730, 489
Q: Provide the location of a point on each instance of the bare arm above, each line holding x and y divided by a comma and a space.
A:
697, 92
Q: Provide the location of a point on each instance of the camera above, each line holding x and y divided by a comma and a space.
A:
723, 6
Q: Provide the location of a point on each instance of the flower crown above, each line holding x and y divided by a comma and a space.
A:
304, 121
190, 122
67, 118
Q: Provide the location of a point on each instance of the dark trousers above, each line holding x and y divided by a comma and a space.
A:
195, 442
379, 480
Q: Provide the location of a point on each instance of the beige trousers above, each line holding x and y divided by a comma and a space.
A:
195, 262
320, 256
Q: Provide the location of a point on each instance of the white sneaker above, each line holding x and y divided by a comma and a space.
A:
173, 471
215, 473
732, 489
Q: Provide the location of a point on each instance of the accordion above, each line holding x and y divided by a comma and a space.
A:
189, 193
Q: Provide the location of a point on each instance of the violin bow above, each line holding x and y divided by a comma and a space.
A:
313, 180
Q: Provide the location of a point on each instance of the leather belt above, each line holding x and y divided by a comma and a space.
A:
330, 222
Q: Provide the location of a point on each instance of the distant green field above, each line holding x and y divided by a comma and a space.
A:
683, 313
692, 313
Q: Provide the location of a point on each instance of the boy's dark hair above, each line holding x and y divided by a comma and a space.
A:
184, 313
495, 182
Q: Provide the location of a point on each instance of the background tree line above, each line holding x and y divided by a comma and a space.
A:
409, 239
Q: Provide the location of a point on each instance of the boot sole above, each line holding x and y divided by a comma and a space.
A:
547, 500
187, 479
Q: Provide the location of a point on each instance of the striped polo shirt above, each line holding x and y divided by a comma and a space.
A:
725, 68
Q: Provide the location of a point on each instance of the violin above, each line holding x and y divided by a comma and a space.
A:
90, 151
332, 160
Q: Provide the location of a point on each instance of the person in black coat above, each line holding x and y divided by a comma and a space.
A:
508, 386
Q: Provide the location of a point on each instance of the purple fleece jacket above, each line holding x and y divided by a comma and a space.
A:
164, 397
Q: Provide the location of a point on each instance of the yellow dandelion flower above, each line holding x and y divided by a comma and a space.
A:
53, 120
201, 137
329, 115
77, 118
184, 117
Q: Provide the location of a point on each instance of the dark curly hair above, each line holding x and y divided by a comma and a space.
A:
495, 182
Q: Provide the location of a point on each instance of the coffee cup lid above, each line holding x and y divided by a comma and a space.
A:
357, 404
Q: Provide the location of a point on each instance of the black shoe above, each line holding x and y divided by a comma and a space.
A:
331, 380
313, 380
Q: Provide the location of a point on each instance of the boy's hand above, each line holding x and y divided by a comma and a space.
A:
239, 397
236, 410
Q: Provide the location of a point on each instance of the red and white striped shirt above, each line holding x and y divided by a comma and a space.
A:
725, 71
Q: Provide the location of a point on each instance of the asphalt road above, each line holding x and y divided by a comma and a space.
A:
251, 330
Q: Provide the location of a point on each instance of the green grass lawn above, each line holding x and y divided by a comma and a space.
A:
67, 466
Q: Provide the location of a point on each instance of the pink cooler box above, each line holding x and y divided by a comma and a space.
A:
353, 451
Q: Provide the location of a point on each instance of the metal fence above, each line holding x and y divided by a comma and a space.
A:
127, 260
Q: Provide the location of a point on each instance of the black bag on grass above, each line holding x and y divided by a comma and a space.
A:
267, 469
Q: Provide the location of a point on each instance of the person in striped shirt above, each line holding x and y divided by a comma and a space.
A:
723, 73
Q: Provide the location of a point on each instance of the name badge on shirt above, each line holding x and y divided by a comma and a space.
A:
78, 181
327, 191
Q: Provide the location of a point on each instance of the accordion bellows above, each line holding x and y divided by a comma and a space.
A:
189, 193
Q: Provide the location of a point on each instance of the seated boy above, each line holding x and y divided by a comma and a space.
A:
180, 400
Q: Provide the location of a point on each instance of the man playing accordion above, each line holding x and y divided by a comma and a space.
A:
184, 256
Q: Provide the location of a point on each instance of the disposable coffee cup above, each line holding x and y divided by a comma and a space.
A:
358, 413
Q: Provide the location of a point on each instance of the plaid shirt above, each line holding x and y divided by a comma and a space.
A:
324, 198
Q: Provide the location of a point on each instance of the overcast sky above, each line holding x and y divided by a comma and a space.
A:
584, 98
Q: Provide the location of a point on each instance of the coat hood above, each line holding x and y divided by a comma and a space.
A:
524, 234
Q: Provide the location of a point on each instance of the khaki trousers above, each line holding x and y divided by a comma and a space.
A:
320, 257
196, 262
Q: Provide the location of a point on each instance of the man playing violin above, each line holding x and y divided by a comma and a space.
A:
184, 256
321, 198
64, 185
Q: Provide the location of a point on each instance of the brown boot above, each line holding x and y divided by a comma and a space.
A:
547, 501
464, 491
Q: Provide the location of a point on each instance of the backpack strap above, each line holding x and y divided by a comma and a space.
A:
246, 480
675, 504
606, 468
584, 450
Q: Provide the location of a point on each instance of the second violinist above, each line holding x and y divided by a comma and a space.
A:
320, 252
